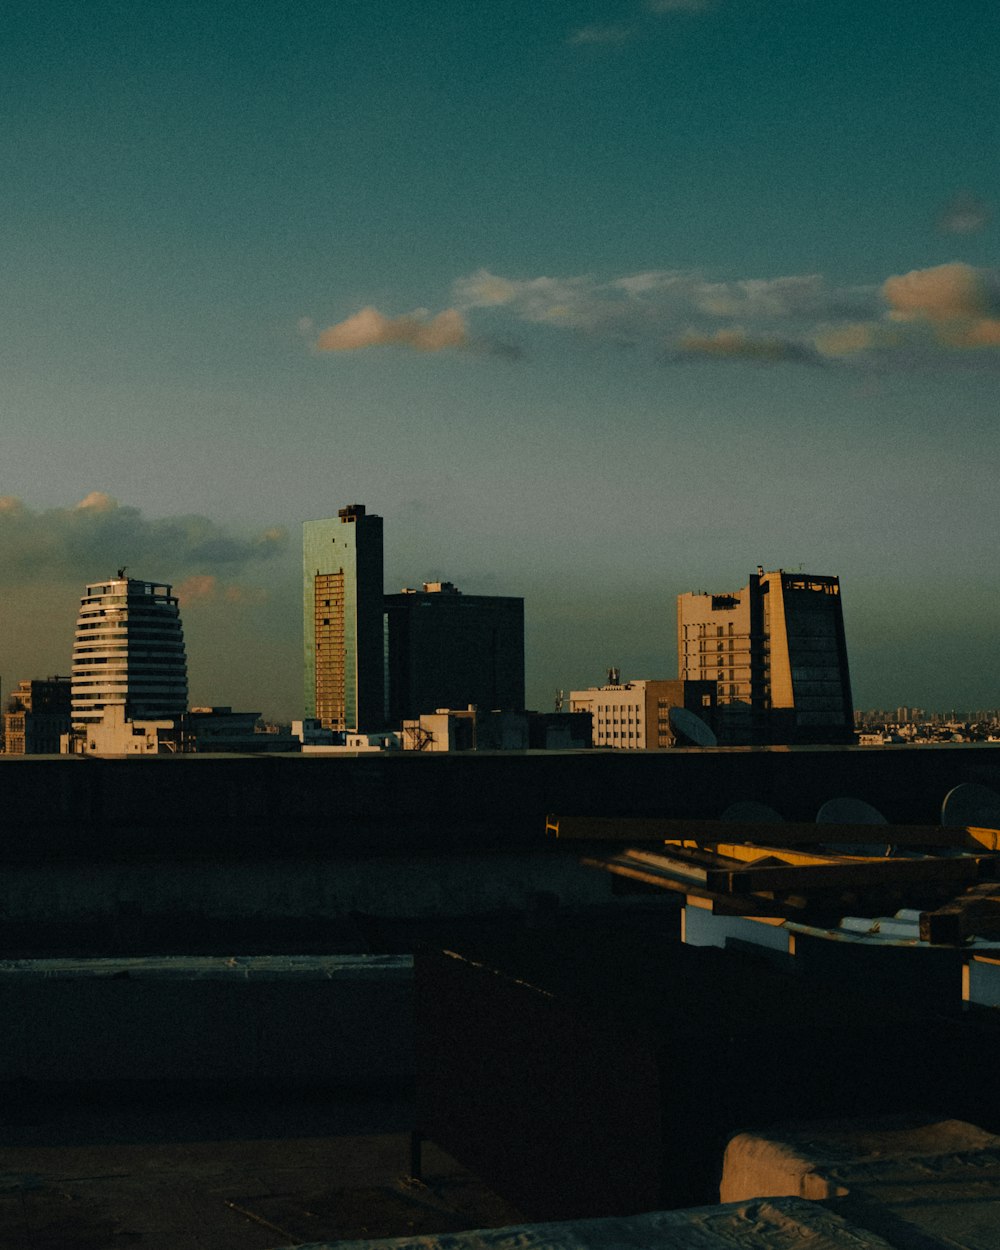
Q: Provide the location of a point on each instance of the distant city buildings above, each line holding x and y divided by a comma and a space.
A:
636, 715
128, 653
344, 650
37, 714
447, 650
917, 727
372, 660
474, 729
433, 669
777, 651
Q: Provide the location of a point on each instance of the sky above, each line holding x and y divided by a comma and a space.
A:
594, 301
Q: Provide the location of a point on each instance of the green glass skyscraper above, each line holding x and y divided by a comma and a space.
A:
342, 620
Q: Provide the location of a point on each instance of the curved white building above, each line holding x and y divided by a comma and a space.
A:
128, 652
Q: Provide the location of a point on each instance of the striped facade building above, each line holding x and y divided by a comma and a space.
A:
128, 652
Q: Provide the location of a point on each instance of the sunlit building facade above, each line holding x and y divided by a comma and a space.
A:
636, 715
777, 652
343, 637
128, 653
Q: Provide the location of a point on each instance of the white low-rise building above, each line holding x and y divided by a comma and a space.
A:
635, 715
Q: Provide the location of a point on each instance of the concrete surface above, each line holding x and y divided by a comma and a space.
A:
923, 1185
781, 1224
409, 802
249, 1171
345, 1020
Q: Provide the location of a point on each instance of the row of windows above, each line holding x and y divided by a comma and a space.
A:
704, 630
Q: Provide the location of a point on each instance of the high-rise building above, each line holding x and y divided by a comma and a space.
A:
37, 715
445, 649
344, 648
776, 650
128, 653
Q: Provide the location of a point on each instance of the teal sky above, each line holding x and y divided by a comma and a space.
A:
594, 302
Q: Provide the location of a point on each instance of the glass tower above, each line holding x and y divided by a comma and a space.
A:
343, 650
128, 651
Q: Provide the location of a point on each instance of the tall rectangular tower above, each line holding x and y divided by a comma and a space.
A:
342, 620
776, 649
446, 649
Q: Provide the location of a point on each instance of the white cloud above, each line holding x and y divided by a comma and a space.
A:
370, 328
942, 293
97, 501
663, 300
959, 303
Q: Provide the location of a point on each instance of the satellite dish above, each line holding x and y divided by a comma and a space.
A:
753, 813
970, 804
848, 811
691, 730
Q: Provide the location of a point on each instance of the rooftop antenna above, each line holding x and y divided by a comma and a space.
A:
560, 695
121, 571
614, 676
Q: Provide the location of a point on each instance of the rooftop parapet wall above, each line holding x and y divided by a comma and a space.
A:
168, 808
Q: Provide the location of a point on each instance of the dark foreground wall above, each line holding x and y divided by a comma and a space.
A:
170, 808
595, 1071
216, 853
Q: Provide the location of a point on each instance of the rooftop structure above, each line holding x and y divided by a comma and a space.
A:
128, 652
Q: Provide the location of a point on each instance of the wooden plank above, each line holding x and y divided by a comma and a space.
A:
693, 855
645, 868
660, 829
850, 875
748, 852
624, 866
976, 913
988, 838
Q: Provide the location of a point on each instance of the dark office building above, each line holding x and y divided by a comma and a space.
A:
447, 650
38, 712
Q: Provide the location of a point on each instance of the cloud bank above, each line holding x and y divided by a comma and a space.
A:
926, 315
91, 539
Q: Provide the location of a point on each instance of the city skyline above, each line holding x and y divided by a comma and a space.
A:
207, 589
596, 303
